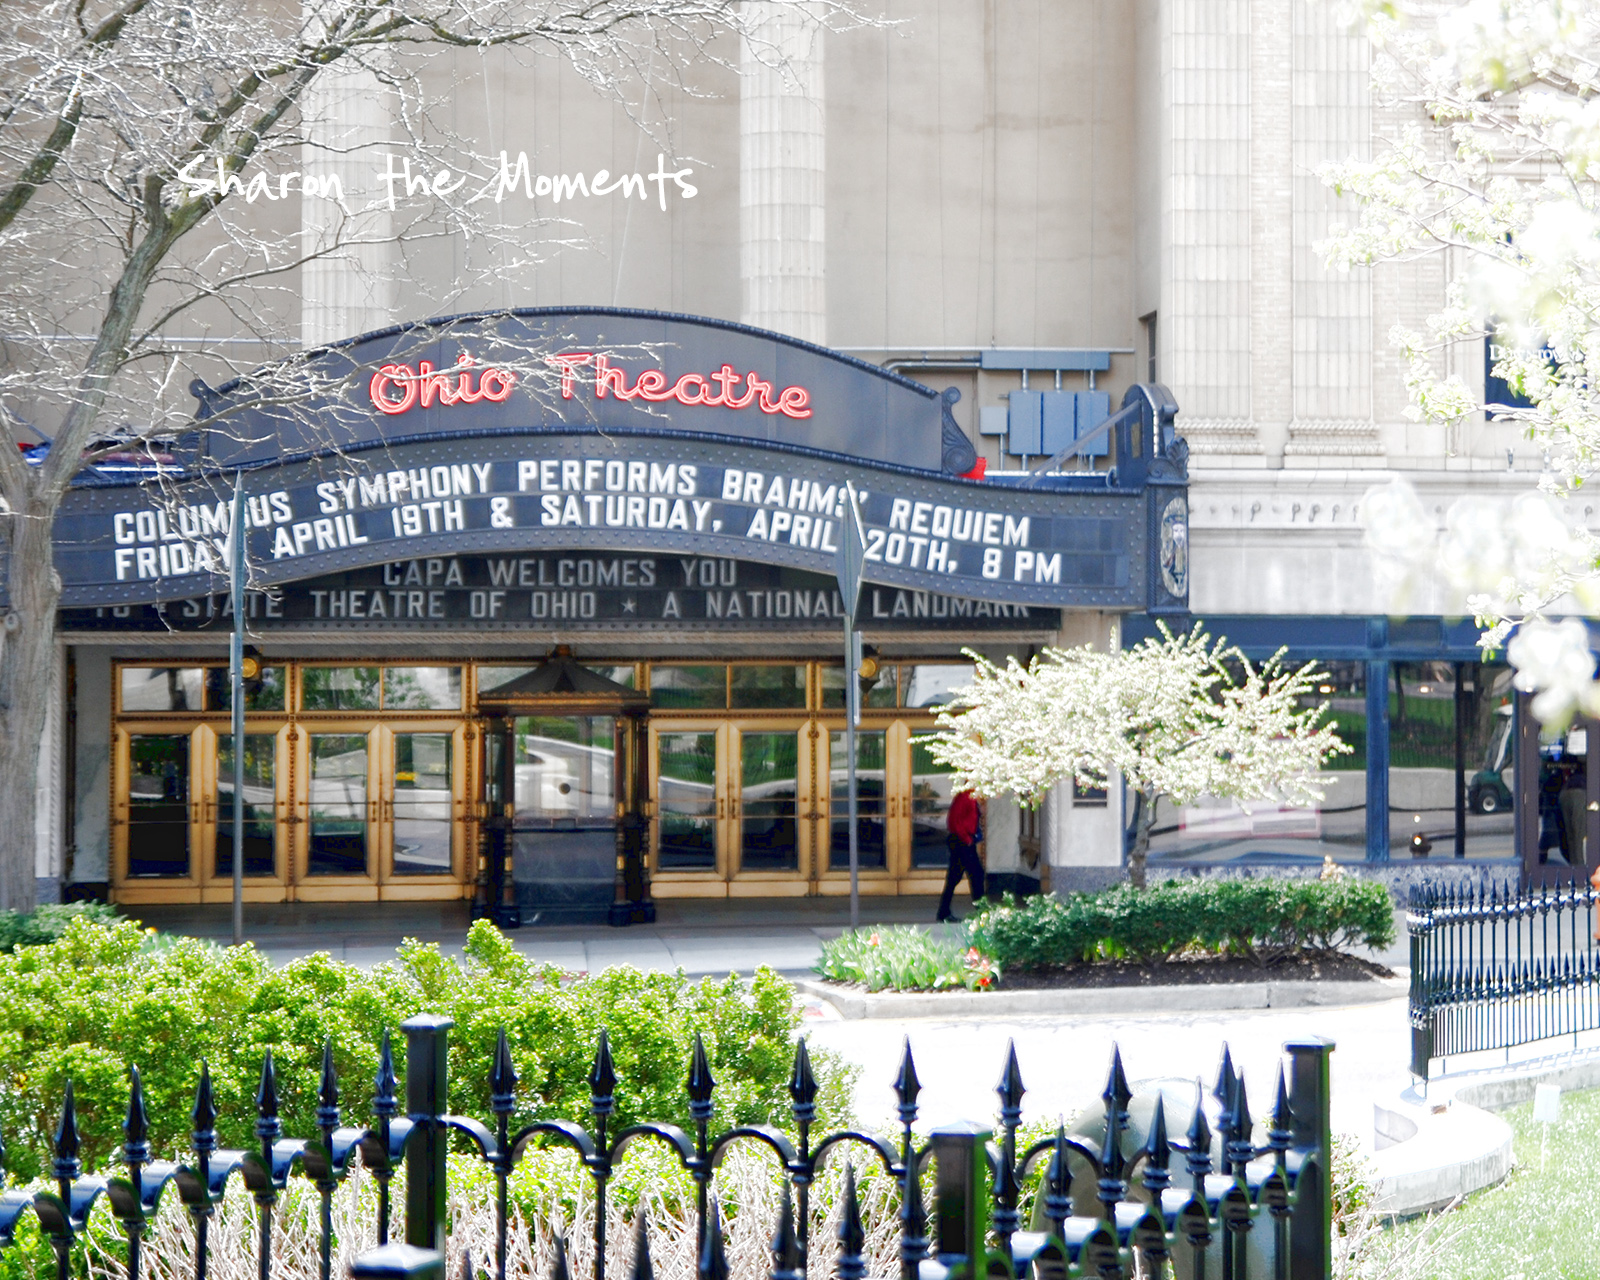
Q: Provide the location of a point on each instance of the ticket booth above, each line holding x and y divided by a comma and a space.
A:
563, 798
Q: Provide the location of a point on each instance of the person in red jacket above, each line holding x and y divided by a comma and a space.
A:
964, 825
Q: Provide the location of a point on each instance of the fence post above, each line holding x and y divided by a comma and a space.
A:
427, 1043
398, 1262
1311, 1229
960, 1193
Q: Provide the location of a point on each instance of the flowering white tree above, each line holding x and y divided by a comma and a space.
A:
1498, 170
1182, 716
133, 136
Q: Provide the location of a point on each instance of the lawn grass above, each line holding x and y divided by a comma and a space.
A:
1540, 1223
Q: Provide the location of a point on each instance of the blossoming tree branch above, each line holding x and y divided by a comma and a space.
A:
1496, 173
1178, 717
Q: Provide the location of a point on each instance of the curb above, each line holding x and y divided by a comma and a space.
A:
1195, 997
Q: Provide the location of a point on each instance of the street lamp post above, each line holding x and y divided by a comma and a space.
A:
236, 679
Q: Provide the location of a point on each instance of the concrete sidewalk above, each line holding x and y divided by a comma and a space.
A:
700, 936
697, 935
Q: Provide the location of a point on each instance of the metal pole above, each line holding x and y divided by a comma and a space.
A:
236, 677
852, 715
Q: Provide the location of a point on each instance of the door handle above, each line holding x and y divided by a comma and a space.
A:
722, 808
372, 811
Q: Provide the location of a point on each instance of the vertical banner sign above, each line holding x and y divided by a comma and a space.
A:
852, 560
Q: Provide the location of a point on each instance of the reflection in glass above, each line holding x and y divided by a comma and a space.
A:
1422, 757
871, 850
880, 691
564, 767
265, 694
422, 688
1211, 830
260, 796
158, 804
688, 687
764, 686
1564, 794
686, 784
423, 800
338, 840
930, 804
1488, 763
339, 688
769, 776
931, 684
162, 688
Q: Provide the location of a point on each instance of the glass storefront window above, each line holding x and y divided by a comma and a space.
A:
1422, 756
1211, 830
1488, 767
265, 694
422, 804
564, 767
764, 686
491, 678
422, 688
689, 688
880, 693
768, 799
162, 689
339, 688
930, 684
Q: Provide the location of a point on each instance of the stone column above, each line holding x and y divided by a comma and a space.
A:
782, 175
353, 287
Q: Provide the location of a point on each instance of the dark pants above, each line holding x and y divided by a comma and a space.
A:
963, 862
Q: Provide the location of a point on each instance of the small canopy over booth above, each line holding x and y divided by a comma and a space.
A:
563, 798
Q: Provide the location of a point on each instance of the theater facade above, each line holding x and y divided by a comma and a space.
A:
546, 613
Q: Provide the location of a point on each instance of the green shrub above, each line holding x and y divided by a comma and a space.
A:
1255, 918
47, 923
100, 999
906, 958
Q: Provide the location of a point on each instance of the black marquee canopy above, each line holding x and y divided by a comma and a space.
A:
521, 444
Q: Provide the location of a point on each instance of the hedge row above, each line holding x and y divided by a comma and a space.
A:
1254, 918
47, 923
87, 1005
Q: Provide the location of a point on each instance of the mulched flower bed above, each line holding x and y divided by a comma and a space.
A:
1335, 967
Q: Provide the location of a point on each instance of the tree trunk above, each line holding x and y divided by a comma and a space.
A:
1144, 819
27, 652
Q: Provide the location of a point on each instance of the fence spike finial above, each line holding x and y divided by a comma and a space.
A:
1198, 1158
1116, 1093
384, 1084
701, 1081
642, 1269
713, 1254
204, 1113
1281, 1130
328, 1093
1058, 1182
1158, 1153
268, 1126
1225, 1074
1011, 1087
785, 1246
907, 1086
559, 1271
136, 1124
1241, 1149
66, 1165
802, 1084
852, 1238
503, 1078
602, 1078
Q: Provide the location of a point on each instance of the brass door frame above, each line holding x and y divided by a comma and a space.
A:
677, 883
179, 889
273, 888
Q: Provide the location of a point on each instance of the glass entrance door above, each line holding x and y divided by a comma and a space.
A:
266, 833
383, 808
156, 819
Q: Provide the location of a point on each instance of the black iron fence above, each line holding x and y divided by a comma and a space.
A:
1492, 967
1250, 1200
